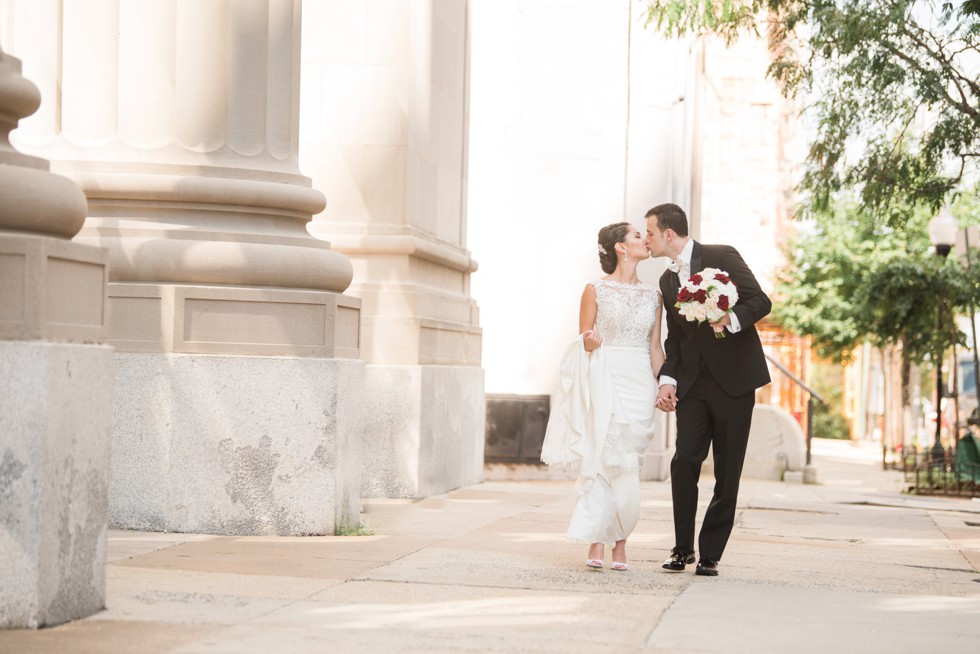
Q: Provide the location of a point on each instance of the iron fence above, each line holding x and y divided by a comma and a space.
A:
930, 473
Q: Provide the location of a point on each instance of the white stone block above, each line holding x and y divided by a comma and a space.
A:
424, 429
236, 445
453, 428
776, 445
55, 406
793, 476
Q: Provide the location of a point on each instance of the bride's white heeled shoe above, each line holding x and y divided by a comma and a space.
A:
619, 567
594, 563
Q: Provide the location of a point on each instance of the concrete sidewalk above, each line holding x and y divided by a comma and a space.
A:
849, 565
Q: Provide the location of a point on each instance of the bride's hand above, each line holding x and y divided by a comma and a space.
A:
667, 398
591, 339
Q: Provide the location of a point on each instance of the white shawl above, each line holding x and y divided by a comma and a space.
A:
580, 414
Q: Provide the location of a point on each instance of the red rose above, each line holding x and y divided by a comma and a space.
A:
723, 302
695, 279
701, 296
722, 277
683, 295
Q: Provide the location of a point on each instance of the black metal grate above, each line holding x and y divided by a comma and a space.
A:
515, 427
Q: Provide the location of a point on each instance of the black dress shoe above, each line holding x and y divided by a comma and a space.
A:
678, 560
707, 568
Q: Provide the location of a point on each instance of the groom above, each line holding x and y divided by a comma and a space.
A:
711, 384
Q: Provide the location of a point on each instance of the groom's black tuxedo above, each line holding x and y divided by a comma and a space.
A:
736, 362
716, 383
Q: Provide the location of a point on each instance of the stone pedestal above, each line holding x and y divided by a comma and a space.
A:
55, 387
235, 444
55, 403
419, 428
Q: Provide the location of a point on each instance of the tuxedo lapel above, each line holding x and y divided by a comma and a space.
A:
696, 265
675, 286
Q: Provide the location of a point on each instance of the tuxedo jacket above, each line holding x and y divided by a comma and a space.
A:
736, 362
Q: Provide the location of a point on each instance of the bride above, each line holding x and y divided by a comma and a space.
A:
603, 416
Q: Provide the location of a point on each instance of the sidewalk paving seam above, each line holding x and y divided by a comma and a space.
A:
934, 567
415, 582
645, 643
953, 543
887, 505
136, 556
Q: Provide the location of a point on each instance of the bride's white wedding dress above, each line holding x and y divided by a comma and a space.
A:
602, 418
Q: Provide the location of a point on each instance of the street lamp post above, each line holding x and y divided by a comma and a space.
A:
942, 233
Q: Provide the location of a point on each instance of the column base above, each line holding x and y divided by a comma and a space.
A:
655, 465
51, 289
236, 445
423, 429
236, 320
55, 408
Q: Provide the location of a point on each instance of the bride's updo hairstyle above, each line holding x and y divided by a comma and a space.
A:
609, 236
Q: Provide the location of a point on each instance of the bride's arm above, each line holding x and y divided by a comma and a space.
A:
586, 319
657, 357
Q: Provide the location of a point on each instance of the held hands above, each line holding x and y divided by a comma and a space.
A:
667, 398
591, 339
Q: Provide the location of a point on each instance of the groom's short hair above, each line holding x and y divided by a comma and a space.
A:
670, 216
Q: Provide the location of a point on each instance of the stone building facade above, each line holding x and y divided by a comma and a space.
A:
592, 120
257, 256
384, 136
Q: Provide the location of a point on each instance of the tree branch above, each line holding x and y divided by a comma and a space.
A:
947, 68
963, 106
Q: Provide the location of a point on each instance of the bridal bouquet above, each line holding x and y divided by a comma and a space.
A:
708, 295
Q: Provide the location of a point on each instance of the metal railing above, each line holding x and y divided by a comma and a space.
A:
812, 395
929, 473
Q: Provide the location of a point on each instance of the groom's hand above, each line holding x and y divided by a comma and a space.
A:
721, 324
667, 398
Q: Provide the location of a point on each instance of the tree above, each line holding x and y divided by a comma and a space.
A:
890, 90
852, 279
891, 87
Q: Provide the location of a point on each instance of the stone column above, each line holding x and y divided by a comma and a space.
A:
237, 400
384, 136
55, 387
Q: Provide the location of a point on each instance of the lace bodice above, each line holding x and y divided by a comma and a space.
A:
626, 313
